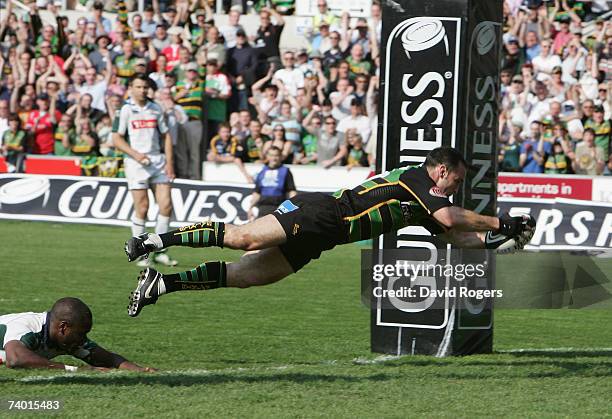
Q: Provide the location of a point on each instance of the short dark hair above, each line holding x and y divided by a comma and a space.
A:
591, 130
275, 148
447, 156
71, 310
14, 117
140, 76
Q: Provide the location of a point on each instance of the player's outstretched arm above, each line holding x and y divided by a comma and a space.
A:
19, 356
101, 358
464, 239
457, 218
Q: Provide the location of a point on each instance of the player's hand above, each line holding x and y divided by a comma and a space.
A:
170, 172
513, 226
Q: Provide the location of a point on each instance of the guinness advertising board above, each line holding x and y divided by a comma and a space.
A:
439, 87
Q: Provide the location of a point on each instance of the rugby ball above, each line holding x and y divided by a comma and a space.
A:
506, 244
502, 244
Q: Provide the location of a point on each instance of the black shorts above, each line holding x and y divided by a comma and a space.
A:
313, 223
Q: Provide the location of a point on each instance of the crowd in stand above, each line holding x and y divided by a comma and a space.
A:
229, 95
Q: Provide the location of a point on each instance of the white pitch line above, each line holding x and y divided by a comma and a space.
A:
356, 361
544, 350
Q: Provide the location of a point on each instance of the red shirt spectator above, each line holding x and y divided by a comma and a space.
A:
40, 124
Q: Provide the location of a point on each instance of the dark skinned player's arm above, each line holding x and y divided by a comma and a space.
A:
459, 219
100, 357
19, 356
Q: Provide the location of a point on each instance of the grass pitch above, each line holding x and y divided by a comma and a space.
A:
296, 348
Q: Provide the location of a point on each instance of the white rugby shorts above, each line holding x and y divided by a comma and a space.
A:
142, 177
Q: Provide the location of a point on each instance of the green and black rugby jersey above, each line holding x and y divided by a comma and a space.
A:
388, 202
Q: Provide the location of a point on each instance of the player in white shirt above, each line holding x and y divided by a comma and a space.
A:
138, 131
32, 340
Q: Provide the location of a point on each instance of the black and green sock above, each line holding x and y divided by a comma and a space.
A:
205, 234
205, 276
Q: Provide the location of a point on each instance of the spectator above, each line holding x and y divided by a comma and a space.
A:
218, 90
175, 119
100, 55
331, 148
604, 101
573, 63
124, 63
273, 184
563, 36
280, 141
356, 156
341, 99
13, 143
356, 121
97, 87
289, 122
601, 128
509, 157
531, 158
357, 63
323, 14
288, 79
227, 149
513, 57
589, 158
103, 25
267, 104
213, 48
40, 124
172, 51
531, 45
546, 61
267, 38
189, 95
161, 39
85, 141
64, 136
335, 52
556, 161
308, 148
148, 21
255, 143
230, 30
241, 66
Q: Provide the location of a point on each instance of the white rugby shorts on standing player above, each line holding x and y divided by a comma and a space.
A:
142, 177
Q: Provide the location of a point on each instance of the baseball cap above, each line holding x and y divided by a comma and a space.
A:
598, 108
240, 32
43, 96
191, 66
511, 39
565, 19
315, 54
518, 78
140, 61
557, 69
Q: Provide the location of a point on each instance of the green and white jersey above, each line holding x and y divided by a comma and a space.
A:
32, 329
141, 126
403, 197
